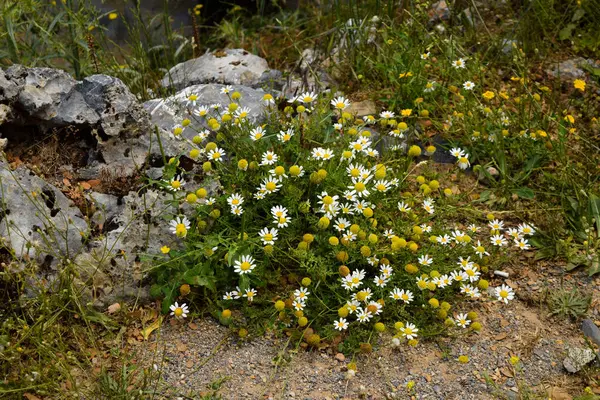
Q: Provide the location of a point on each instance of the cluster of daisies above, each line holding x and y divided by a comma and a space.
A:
345, 211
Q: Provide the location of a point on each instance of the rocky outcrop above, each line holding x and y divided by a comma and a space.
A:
37, 221
229, 67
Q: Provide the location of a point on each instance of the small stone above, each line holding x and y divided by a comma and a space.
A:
362, 108
340, 357
591, 331
577, 358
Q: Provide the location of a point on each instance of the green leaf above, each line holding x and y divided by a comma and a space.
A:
578, 14
566, 32
594, 210
594, 266
524, 193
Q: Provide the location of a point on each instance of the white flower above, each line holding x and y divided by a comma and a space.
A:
257, 133
428, 205
235, 200
498, 240
201, 111
403, 207
176, 184
364, 316
301, 293
250, 293
216, 154
387, 114
285, 136
522, 244
179, 311
269, 158
462, 320
496, 225
468, 85
227, 89
307, 97
409, 331
242, 112
180, 226
425, 260
457, 152
459, 64
245, 265
237, 210
340, 324
268, 236
526, 229
340, 103
505, 293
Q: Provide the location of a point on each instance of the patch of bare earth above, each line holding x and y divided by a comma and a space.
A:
203, 357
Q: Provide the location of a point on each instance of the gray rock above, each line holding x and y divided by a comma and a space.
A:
571, 69
439, 11
51, 98
508, 46
591, 331
8, 89
577, 358
37, 220
231, 67
166, 113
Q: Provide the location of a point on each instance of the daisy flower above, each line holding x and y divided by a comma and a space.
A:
403, 207
307, 97
175, 184
505, 293
235, 200
257, 133
301, 294
245, 265
463, 162
340, 103
237, 210
389, 234
409, 331
340, 324
216, 154
285, 136
444, 240
459, 64
192, 99
242, 112
364, 316
380, 281
468, 85
179, 311
269, 158
425, 260
387, 114
201, 111
250, 293
268, 236
457, 152
226, 89
480, 250
522, 244
498, 240
462, 320
180, 226
526, 229
428, 205
496, 225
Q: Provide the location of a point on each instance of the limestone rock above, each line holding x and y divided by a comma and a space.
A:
36, 219
577, 358
229, 67
571, 69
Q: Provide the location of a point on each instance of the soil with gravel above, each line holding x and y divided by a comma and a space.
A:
203, 358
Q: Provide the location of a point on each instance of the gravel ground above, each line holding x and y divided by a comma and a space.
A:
202, 357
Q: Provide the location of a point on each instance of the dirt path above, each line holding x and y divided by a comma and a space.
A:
202, 358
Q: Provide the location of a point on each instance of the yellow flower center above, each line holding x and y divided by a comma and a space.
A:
178, 312
271, 185
503, 294
327, 200
268, 237
216, 155
360, 187
180, 230
175, 184
245, 266
340, 105
193, 97
408, 331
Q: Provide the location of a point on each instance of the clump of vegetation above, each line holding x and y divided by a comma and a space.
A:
310, 220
